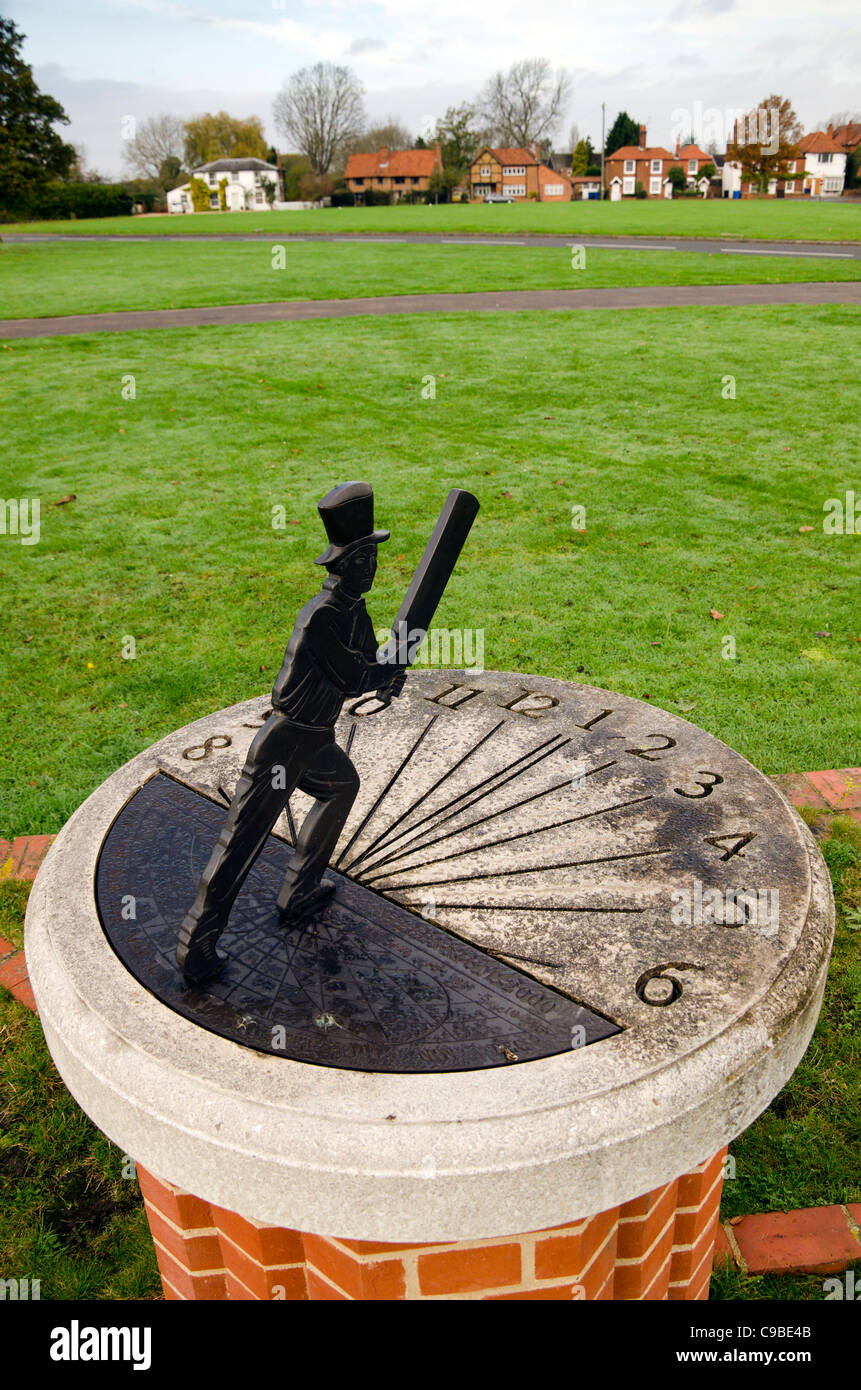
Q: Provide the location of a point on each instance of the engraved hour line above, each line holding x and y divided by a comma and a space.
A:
462, 796
385, 833
519, 907
503, 839
481, 820
534, 869
394, 777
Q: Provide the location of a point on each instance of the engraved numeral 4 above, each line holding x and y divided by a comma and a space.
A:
732, 843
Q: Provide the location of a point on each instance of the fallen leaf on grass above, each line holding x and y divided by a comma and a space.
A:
713, 613
70, 497
802, 529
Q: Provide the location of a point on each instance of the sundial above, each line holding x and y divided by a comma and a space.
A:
529, 866
540, 942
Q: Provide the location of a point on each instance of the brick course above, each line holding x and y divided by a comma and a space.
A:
657, 1246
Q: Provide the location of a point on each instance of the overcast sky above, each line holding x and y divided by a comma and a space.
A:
108, 59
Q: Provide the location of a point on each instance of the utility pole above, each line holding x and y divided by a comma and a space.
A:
603, 143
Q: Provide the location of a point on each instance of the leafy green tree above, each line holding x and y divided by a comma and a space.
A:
459, 137
221, 136
623, 131
584, 157
678, 178
765, 140
31, 151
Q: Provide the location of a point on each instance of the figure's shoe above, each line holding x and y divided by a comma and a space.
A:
196, 955
297, 907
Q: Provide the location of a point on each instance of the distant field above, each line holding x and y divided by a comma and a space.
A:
694, 502
767, 219
38, 280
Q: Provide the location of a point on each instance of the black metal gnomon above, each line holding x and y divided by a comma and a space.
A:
331, 654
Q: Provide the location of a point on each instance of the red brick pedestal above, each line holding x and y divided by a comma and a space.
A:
657, 1246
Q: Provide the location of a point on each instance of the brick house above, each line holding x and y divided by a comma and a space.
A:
392, 171
517, 172
633, 164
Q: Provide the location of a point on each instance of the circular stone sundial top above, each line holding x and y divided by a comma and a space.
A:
551, 901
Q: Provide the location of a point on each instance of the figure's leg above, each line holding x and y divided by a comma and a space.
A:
332, 779
271, 773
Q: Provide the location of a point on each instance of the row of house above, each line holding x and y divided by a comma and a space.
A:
519, 173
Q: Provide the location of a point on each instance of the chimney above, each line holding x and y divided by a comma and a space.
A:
437, 153
830, 130
678, 145
642, 137
383, 152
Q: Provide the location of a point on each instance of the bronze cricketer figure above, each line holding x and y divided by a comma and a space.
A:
332, 654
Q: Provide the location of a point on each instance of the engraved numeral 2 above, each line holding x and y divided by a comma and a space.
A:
649, 753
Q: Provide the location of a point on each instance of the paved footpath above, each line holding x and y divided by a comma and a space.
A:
811, 1240
728, 245
647, 297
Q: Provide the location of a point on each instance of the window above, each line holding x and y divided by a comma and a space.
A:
627, 186
486, 171
554, 190
629, 166
790, 187
656, 166
772, 187
655, 185
258, 197
514, 190
692, 166
826, 158
833, 185
515, 169
397, 180
360, 183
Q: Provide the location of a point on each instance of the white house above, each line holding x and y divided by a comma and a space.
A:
822, 168
245, 189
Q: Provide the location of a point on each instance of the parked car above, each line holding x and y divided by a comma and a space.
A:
498, 198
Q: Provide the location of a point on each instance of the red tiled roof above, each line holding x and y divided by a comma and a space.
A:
546, 175
693, 152
584, 178
818, 142
848, 136
637, 152
400, 164
515, 155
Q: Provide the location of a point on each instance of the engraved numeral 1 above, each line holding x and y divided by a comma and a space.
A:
598, 717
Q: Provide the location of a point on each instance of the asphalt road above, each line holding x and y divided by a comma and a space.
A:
658, 296
732, 246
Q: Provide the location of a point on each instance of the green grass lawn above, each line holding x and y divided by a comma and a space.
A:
693, 503
71, 1214
763, 218
38, 280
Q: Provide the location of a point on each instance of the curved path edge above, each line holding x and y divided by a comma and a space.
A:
651, 297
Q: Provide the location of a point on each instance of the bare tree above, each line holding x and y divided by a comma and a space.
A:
391, 132
526, 103
158, 139
321, 110
839, 118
